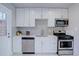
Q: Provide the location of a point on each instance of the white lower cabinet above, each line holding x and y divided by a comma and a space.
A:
48, 46
17, 45
42, 45
38, 46
45, 45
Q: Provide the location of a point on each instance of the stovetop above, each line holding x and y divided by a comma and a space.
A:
59, 34
63, 36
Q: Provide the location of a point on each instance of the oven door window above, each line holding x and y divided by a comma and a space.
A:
65, 44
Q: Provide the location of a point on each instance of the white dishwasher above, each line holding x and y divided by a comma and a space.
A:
28, 45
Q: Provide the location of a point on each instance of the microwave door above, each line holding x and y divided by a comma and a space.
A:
61, 23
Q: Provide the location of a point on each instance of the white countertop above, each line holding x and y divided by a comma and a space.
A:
49, 36
35, 36
26, 36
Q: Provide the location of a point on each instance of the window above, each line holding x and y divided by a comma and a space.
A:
2, 16
3, 24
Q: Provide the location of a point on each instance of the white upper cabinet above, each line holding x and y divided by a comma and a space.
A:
20, 17
27, 18
37, 13
56, 13
45, 13
24, 17
61, 13
51, 17
32, 17
64, 13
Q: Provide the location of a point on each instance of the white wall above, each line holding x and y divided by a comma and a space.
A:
73, 28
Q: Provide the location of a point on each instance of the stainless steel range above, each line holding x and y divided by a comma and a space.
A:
65, 42
65, 45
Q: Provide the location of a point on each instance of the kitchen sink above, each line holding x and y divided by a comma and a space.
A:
40, 36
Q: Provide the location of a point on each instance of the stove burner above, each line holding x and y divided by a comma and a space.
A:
65, 37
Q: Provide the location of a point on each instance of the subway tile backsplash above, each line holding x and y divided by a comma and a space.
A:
41, 28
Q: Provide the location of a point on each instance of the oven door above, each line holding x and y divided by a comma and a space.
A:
65, 44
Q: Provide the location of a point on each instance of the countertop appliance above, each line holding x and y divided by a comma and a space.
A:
18, 33
65, 43
61, 22
28, 45
27, 32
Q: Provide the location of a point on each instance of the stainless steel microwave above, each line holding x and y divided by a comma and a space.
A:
61, 22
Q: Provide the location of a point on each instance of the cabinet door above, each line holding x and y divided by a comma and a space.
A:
17, 45
45, 45
51, 17
38, 46
64, 13
27, 17
45, 13
49, 45
37, 12
54, 44
57, 13
32, 17
20, 16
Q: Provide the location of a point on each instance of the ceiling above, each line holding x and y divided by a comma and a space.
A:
54, 5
